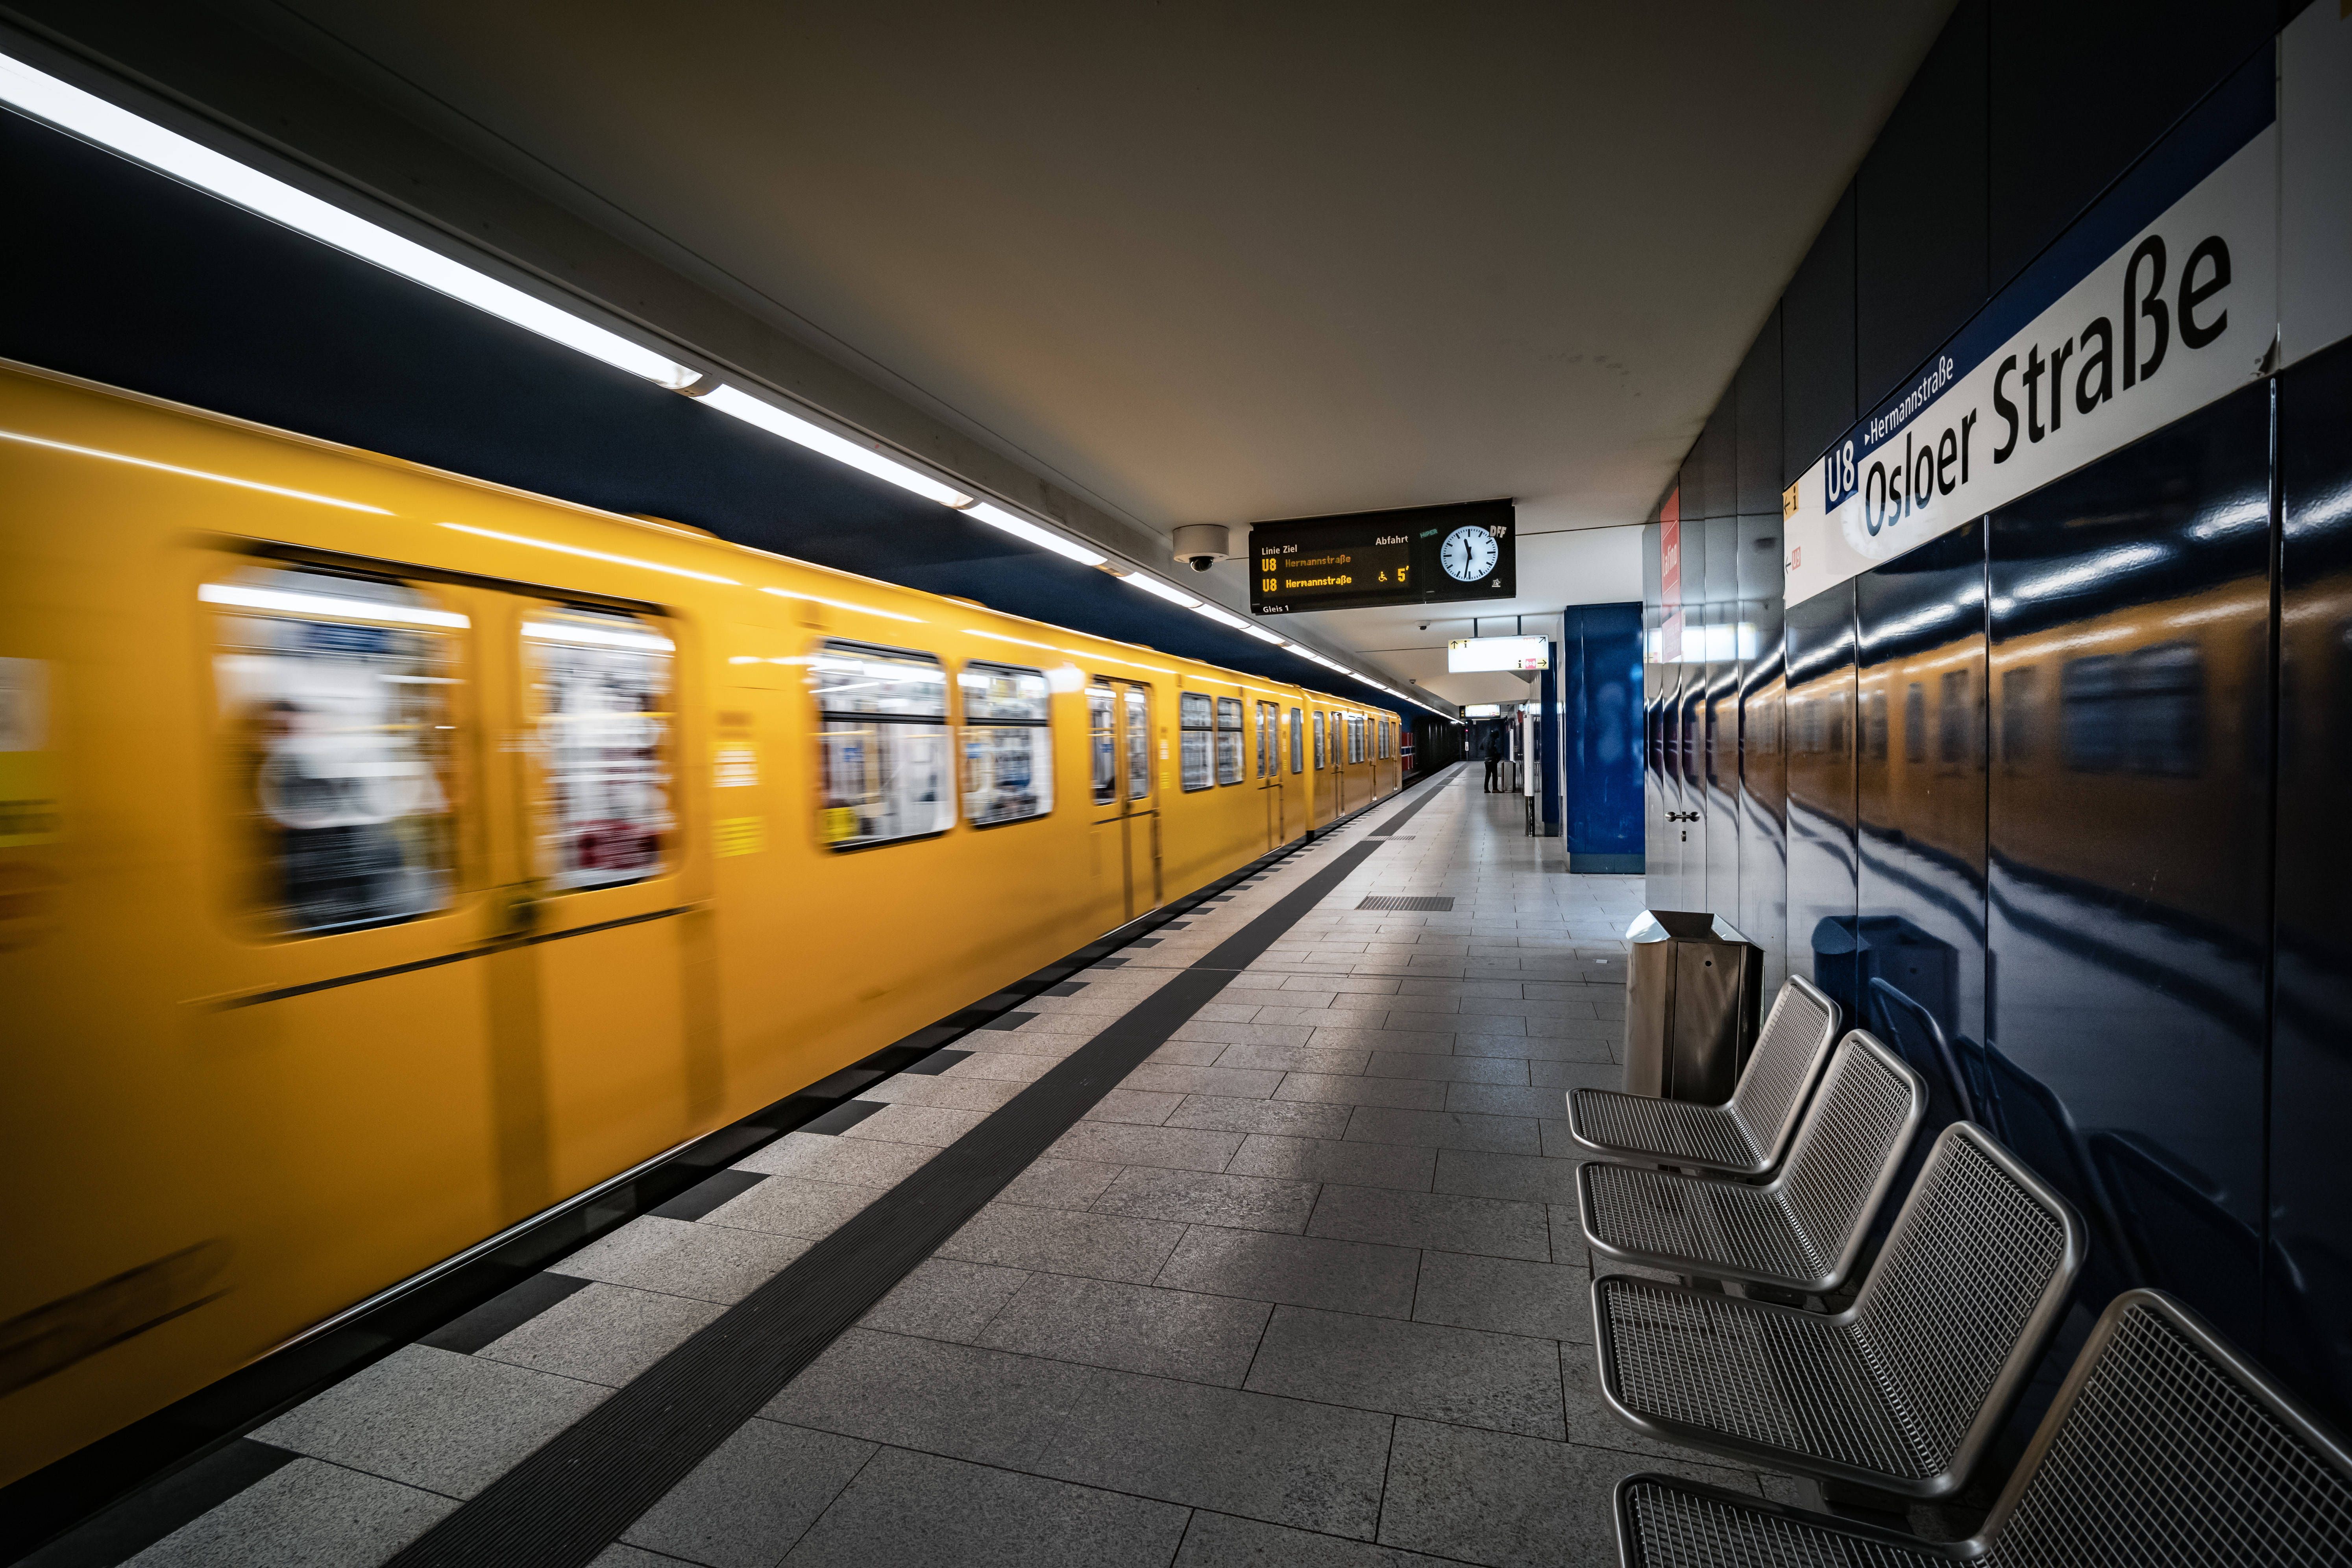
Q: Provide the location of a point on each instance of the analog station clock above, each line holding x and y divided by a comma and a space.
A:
1469, 553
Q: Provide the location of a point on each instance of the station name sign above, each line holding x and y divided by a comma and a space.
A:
2164, 298
1423, 555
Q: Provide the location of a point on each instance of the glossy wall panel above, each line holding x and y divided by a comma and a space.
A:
1690, 731
1719, 764
1819, 708
1919, 928
1762, 914
2310, 1277
2129, 818
1658, 850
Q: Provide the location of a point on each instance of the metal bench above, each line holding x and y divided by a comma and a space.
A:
1899, 1391
1743, 1137
1801, 1230
2165, 1450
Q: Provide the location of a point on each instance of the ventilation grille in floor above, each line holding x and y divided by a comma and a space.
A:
1382, 901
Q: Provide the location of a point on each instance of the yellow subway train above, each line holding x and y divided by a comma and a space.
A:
386, 857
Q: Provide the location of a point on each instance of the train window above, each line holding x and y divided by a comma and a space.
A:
601, 704
1102, 742
1298, 743
2090, 693
1008, 744
1319, 742
1267, 762
1952, 715
1198, 718
1874, 725
338, 693
1354, 737
2017, 701
883, 717
2165, 724
1229, 740
1915, 723
1139, 742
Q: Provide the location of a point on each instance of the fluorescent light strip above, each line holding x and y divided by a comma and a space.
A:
596, 637
1261, 635
1158, 589
188, 473
590, 554
844, 605
1223, 616
91, 118
740, 404
1022, 528
240, 596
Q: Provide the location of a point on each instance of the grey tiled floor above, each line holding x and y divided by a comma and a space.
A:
1308, 1287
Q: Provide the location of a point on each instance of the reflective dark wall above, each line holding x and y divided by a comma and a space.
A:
1819, 722
2129, 818
2057, 803
1690, 729
1919, 928
1719, 763
1762, 914
2310, 1277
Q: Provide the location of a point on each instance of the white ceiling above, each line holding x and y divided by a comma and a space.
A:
1221, 262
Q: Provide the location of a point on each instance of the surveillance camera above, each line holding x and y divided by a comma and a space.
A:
1425, 625
1202, 545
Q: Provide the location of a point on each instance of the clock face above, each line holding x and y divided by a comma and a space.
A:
1468, 554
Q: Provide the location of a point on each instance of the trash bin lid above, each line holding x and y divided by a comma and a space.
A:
1683, 925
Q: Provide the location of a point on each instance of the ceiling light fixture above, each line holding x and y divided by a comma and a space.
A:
996, 516
740, 404
92, 118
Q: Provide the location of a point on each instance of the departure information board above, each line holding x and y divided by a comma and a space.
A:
1425, 555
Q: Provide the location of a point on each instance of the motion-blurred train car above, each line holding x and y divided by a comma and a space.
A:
386, 857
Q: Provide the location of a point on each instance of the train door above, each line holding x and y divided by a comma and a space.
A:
454, 806
1296, 782
1126, 805
1320, 790
596, 1006
1269, 769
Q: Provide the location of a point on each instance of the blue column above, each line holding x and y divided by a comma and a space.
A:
1600, 669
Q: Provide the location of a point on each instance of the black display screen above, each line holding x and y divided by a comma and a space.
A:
1423, 555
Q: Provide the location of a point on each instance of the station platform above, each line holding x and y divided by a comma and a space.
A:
1305, 1286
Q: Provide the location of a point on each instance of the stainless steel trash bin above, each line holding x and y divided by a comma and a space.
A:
1693, 990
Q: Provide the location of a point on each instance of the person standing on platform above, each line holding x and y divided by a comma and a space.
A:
1498, 750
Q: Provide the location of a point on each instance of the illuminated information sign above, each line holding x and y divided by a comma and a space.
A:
1425, 555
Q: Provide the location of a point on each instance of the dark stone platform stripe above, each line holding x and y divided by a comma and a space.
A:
566, 1502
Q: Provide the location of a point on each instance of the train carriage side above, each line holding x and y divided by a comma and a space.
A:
393, 855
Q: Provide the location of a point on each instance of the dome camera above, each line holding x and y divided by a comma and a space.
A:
1202, 545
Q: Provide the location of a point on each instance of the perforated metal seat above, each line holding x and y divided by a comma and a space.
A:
1801, 1230
1903, 1389
2165, 1450
1743, 1137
